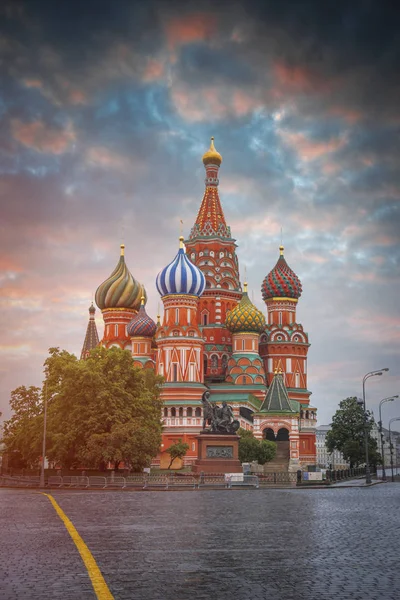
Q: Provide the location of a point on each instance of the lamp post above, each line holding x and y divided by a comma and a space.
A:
367, 376
41, 483
390, 399
391, 445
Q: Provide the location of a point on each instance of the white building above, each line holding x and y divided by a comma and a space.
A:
326, 459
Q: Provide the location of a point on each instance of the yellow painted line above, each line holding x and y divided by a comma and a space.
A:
97, 579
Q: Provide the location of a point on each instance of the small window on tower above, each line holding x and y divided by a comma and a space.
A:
175, 333
205, 319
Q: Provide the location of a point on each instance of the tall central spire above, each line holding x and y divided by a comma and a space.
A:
210, 220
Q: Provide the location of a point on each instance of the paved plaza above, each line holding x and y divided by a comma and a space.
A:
216, 544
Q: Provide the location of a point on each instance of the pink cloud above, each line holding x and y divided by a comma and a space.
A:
190, 28
348, 114
42, 138
199, 104
309, 149
299, 79
33, 83
154, 70
100, 156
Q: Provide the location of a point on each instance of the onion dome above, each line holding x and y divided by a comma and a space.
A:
212, 156
141, 325
245, 317
281, 282
181, 276
120, 290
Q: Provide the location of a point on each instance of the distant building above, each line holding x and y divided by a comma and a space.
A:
327, 459
375, 434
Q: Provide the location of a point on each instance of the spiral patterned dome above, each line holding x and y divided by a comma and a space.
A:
245, 317
142, 325
181, 276
120, 290
281, 282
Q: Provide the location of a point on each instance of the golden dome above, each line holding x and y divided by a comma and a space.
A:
245, 317
212, 156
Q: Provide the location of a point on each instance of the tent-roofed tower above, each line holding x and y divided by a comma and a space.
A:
91, 337
211, 248
284, 347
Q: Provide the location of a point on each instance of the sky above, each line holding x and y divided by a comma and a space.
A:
106, 109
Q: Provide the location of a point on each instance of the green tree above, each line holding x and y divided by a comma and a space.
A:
347, 433
177, 450
99, 410
23, 432
251, 449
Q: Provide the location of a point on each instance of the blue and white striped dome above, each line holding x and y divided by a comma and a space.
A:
181, 276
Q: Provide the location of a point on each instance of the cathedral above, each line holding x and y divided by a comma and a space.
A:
212, 337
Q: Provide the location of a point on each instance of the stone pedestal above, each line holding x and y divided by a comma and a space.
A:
217, 453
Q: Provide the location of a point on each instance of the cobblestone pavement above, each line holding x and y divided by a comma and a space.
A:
230, 544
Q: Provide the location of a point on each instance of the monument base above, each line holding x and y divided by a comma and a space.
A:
217, 453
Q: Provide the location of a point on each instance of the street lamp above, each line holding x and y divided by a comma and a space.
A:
367, 376
390, 399
391, 445
41, 483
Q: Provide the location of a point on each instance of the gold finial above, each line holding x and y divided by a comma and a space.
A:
245, 287
181, 238
142, 301
281, 249
276, 370
212, 155
122, 249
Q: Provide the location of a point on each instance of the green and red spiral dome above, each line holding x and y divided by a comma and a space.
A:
281, 282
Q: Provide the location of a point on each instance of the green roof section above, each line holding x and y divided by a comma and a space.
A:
277, 399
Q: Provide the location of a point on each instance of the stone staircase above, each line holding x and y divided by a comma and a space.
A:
281, 460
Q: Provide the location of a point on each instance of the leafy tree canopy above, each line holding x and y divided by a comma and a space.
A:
347, 433
177, 450
251, 449
100, 409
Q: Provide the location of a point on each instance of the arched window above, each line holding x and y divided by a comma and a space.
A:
204, 318
180, 412
165, 412
224, 362
189, 411
214, 361
197, 412
173, 412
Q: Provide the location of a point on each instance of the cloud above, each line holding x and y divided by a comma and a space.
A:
186, 29
309, 149
304, 110
43, 138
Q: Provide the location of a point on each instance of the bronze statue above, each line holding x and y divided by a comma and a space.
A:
220, 418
